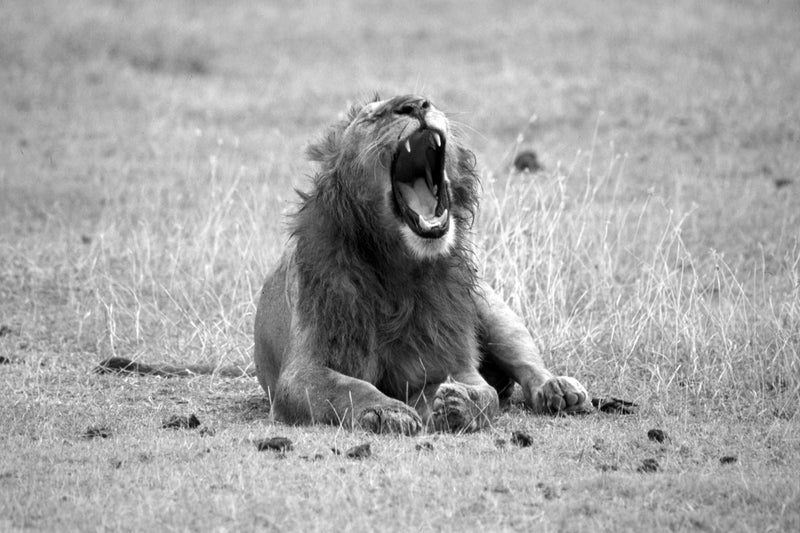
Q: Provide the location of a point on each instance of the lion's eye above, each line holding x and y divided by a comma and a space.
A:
404, 110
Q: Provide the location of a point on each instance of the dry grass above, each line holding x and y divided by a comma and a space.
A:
148, 150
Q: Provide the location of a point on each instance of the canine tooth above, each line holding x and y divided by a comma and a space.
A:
437, 139
408, 146
434, 222
423, 223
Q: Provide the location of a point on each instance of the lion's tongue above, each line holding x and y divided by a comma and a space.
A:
419, 198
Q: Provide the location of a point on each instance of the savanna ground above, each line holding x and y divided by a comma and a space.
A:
148, 151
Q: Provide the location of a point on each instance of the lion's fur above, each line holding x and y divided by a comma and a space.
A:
361, 317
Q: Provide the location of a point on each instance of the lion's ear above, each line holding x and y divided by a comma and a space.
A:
326, 149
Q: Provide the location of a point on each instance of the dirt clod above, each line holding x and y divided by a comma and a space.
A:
361, 451
500, 443
181, 422
728, 459
119, 365
4, 360
523, 440
657, 435
276, 444
312, 458
527, 160
424, 446
648, 465
206, 431
605, 467
5, 330
93, 432
548, 491
614, 406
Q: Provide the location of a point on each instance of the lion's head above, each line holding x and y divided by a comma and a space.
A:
397, 165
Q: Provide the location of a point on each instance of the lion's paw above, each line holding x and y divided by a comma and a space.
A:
396, 418
561, 394
454, 410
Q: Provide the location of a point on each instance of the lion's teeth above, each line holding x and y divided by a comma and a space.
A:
424, 223
434, 222
437, 139
408, 146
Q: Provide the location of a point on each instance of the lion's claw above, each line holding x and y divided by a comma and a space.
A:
561, 394
398, 419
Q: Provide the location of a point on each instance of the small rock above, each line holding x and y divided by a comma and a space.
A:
782, 182
207, 432
362, 451
276, 444
5, 330
85, 239
500, 443
181, 422
728, 459
527, 161
4, 360
523, 440
424, 446
657, 435
648, 465
93, 432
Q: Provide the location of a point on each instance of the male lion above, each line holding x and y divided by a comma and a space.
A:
375, 316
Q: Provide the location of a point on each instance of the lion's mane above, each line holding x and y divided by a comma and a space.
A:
361, 290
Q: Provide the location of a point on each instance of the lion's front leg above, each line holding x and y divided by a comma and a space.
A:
506, 340
308, 393
461, 403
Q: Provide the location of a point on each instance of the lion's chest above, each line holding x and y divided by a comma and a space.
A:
422, 339
397, 332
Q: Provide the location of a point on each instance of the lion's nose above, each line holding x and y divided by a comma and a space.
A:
416, 108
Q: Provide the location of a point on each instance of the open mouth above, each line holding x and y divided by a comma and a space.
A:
419, 184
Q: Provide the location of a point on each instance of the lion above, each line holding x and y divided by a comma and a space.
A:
375, 316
